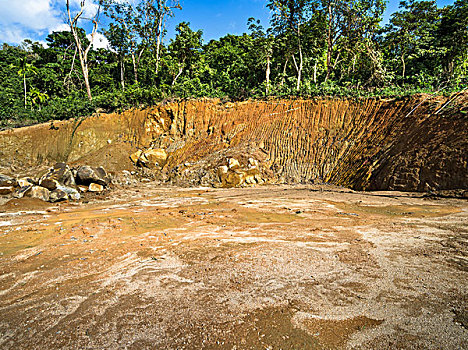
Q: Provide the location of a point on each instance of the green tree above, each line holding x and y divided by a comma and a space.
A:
185, 49
24, 69
410, 36
151, 23
452, 37
263, 47
288, 19
123, 34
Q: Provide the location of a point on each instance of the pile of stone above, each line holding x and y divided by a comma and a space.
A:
60, 183
233, 175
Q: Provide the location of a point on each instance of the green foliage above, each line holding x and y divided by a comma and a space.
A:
312, 48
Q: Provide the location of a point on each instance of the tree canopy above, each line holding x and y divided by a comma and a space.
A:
310, 47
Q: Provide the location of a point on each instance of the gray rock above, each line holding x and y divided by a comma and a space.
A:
60, 173
85, 175
57, 196
72, 193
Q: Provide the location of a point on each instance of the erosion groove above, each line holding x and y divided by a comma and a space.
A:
367, 144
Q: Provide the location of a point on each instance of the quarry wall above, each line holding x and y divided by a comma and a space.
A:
413, 144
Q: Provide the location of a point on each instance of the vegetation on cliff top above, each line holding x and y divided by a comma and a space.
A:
311, 48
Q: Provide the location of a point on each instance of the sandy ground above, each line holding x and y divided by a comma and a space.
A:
260, 268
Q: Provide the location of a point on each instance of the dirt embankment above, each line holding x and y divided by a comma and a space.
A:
414, 144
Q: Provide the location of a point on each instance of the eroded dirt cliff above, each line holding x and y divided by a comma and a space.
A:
413, 144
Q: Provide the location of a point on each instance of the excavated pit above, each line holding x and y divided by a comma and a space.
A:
279, 266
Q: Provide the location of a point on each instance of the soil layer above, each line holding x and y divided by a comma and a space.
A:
274, 267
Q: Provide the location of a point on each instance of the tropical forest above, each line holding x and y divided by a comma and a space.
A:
308, 48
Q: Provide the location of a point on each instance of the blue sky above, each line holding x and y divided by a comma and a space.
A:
35, 19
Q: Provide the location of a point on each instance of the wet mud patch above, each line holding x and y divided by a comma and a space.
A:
25, 238
263, 217
24, 204
410, 211
333, 334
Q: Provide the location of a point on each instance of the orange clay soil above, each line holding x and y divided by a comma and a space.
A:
274, 267
417, 143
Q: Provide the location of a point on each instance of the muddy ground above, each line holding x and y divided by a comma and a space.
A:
276, 267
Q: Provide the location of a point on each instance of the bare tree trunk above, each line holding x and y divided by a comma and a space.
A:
298, 69
84, 67
315, 72
267, 76
136, 64
301, 63
301, 60
122, 72
329, 41
404, 66
284, 71
158, 44
135, 68
83, 53
181, 69
24, 83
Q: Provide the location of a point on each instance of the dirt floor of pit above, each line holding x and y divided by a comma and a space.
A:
260, 268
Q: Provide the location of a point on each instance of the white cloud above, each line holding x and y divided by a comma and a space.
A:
32, 14
34, 19
99, 42
60, 28
90, 8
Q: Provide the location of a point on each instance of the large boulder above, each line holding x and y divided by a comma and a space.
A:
135, 157
233, 175
59, 174
72, 193
151, 158
38, 192
85, 175
155, 157
6, 181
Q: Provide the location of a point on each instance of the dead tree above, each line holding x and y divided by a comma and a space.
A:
83, 51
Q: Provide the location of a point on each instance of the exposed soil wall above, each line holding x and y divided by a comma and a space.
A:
414, 144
